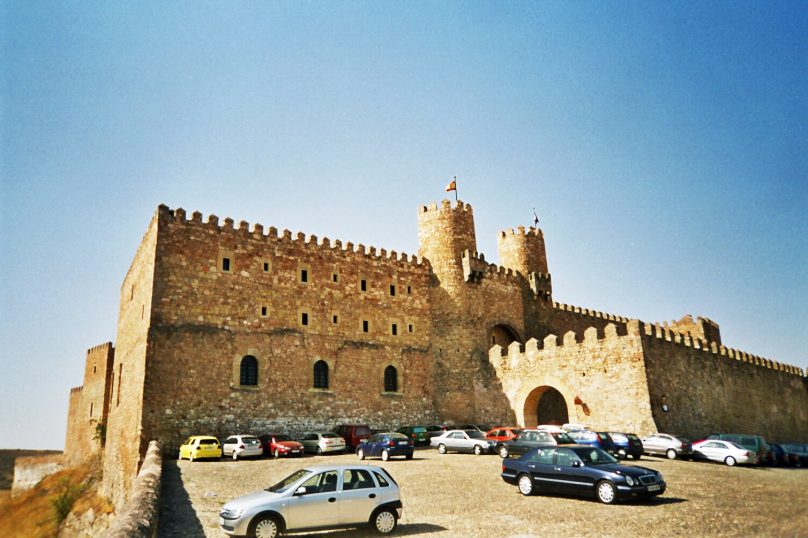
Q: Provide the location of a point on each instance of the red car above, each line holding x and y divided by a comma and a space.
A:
503, 434
280, 444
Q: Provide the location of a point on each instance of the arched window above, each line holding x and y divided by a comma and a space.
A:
320, 375
390, 379
249, 371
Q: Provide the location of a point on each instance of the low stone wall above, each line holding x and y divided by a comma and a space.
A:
138, 517
30, 470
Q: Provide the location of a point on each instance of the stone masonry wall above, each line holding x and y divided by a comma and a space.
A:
711, 389
225, 293
89, 405
602, 379
125, 446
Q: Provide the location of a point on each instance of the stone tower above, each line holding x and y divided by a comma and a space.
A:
522, 250
443, 234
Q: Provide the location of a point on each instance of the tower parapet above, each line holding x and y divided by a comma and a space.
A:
522, 249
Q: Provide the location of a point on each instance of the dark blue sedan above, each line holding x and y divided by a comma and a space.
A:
385, 445
581, 470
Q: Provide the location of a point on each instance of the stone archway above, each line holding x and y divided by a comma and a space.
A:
545, 405
502, 335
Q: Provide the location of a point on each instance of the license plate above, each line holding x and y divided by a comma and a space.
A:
403, 442
653, 488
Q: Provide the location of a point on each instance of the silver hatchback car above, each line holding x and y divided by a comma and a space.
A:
316, 498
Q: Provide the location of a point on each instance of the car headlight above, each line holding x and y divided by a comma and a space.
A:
659, 476
630, 480
232, 513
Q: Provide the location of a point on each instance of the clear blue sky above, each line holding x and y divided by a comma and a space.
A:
664, 146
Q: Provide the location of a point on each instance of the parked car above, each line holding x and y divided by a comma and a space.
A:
503, 434
315, 498
242, 446
782, 456
550, 428
755, 443
724, 451
530, 439
798, 450
669, 445
198, 447
353, 434
463, 441
601, 440
581, 470
574, 427
280, 444
385, 445
627, 444
322, 442
470, 427
417, 434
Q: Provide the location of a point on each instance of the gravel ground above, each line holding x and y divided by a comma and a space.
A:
463, 495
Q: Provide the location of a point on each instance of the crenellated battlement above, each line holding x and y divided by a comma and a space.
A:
589, 312
76, 390
475, 268
521, 231
664, 333
446, 205
299, 240
100, 347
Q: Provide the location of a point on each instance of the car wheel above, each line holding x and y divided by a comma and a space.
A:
360, 454
621, 454
385, 455
478, 450
265, 527
503, 452
729, 460
606, 492
409, 456
385, 521
235, 456
637, 456
671, 453
442, 448
277, 453
191, 457
319, 451
525, 485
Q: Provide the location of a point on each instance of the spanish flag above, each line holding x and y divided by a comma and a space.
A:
452, 186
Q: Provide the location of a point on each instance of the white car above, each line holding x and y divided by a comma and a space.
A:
322, 442
664, 444
314, 498
463, 441
242, 446
723, 451
550, 428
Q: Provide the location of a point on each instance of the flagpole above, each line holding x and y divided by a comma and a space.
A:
455, 189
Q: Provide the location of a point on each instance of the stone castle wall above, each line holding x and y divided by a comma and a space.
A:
710, 388
602, 378
89, 405
228, 293
125, 444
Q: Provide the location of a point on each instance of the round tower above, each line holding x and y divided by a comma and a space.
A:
443, 234
523, 250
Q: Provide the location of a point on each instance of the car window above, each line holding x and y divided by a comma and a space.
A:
230, 440
544, 456
330, 435
475, 434
279, 438
356, 479
188, 441
748, 441
595, 456
321, 483
309, 437
565, 457
284, 484
544, 437
382, 480
251, 440
207, 441
458, 435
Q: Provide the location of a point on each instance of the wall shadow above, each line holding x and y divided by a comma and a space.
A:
177, 517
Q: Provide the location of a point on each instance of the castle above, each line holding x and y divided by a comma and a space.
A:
225, 329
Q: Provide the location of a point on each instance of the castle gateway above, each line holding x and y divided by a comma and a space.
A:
225, 329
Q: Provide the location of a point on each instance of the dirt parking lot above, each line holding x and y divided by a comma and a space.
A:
463, 495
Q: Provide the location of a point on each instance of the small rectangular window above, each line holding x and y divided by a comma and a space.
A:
335, 277
363, 285
304, 318
266, 267
409, 327
304, 275
409, 290
91, 409
392, 290
334, 318
394, 329
365, 326
264, 311
225, 264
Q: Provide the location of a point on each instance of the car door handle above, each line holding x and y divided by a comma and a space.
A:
332, 499
372, 496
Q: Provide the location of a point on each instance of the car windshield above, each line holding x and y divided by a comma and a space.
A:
398, 436
282, 438
287, 482
736, 445
330, 435
419, 430
475, 434
563, 439
250, 440
632, 437
595, 456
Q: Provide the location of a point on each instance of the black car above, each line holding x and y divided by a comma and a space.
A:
627, 444
581, 470
530, 439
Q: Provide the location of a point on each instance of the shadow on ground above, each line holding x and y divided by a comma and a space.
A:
177, 515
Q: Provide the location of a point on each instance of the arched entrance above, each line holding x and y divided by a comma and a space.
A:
502, 335
545, 405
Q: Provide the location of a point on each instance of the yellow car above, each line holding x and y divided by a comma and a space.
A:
200, 446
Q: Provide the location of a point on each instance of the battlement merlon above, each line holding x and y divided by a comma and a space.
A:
446, 205
271, 234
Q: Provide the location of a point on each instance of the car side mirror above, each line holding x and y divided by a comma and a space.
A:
301, 490
577, 464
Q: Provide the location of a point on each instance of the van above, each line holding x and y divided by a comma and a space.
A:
353, 434
755, 443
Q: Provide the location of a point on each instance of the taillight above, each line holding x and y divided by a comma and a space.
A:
391, 443
241, 447
413, 436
